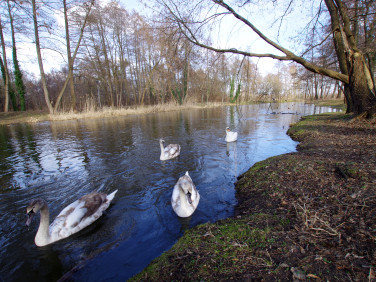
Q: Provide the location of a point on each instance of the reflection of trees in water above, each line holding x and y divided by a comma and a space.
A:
184, 221
51, 262
18, 149
232, 147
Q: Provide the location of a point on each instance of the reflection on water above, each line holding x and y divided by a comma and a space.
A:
61, 161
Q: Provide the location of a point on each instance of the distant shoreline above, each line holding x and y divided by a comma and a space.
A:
40, 116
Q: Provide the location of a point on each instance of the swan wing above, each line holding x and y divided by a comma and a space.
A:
79, 214
195, 197
179, 199
231, 136
172, 150
175, 199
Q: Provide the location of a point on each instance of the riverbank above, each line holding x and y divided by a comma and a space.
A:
304, 215
40, 116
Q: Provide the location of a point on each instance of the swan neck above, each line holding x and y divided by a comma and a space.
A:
43, 235
162, 149
183, 199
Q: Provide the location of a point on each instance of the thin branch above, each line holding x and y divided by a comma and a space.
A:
318, 44
282, 17
187, 31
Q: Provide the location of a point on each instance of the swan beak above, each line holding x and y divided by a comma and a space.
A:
30, 216
189, 198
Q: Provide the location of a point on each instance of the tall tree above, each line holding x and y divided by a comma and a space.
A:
355, 73
360, 83
71, 58
53, 108
40, 60
4, 70
20, 86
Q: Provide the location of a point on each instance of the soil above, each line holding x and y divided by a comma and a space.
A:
309, 215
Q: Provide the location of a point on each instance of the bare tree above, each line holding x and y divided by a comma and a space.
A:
20, 86
52, 109
71, 58
355, 72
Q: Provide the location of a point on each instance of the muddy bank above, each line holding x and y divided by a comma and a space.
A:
305, 215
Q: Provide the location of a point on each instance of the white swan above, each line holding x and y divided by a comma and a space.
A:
185, 196
169, 152
71, 219
230, 135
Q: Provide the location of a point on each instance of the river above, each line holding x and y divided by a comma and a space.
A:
61, 161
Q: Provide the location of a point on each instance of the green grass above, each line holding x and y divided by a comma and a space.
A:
222, 247
335, 103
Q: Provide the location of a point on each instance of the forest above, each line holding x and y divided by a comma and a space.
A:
118, 58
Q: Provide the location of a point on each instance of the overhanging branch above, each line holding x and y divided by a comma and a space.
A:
289, 55
190, 34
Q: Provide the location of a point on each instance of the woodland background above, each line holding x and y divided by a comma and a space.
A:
119, 58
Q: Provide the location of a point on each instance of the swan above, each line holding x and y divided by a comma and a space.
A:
71, 219
230, 135
169, 152
185, 196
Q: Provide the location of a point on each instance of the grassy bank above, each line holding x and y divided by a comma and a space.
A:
334, 103
305, 215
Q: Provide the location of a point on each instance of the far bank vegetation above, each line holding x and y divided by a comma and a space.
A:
119, 59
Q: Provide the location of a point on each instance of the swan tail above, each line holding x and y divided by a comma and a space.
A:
111, 196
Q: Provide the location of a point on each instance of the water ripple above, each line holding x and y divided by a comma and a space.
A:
62, 161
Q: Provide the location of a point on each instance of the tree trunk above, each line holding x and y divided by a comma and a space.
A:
5, 72
69, 56
109, 79
20, 86
359, 91
362, 97
71, 60
40, 62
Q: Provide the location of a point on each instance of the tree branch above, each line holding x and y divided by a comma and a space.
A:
184, 26
289, 55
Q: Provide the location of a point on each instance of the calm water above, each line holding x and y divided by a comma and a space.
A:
62, 161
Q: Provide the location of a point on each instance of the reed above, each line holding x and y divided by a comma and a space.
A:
91, 112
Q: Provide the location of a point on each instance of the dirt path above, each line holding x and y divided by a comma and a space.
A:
309, 215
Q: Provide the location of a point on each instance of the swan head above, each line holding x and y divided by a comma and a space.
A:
189, 198
187, 189
161, 141
33, 207
227, 129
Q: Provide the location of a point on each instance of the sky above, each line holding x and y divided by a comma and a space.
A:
235, 34
51, 59
232, 34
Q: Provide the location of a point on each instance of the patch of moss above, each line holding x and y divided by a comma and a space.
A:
223, 248
334, 103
